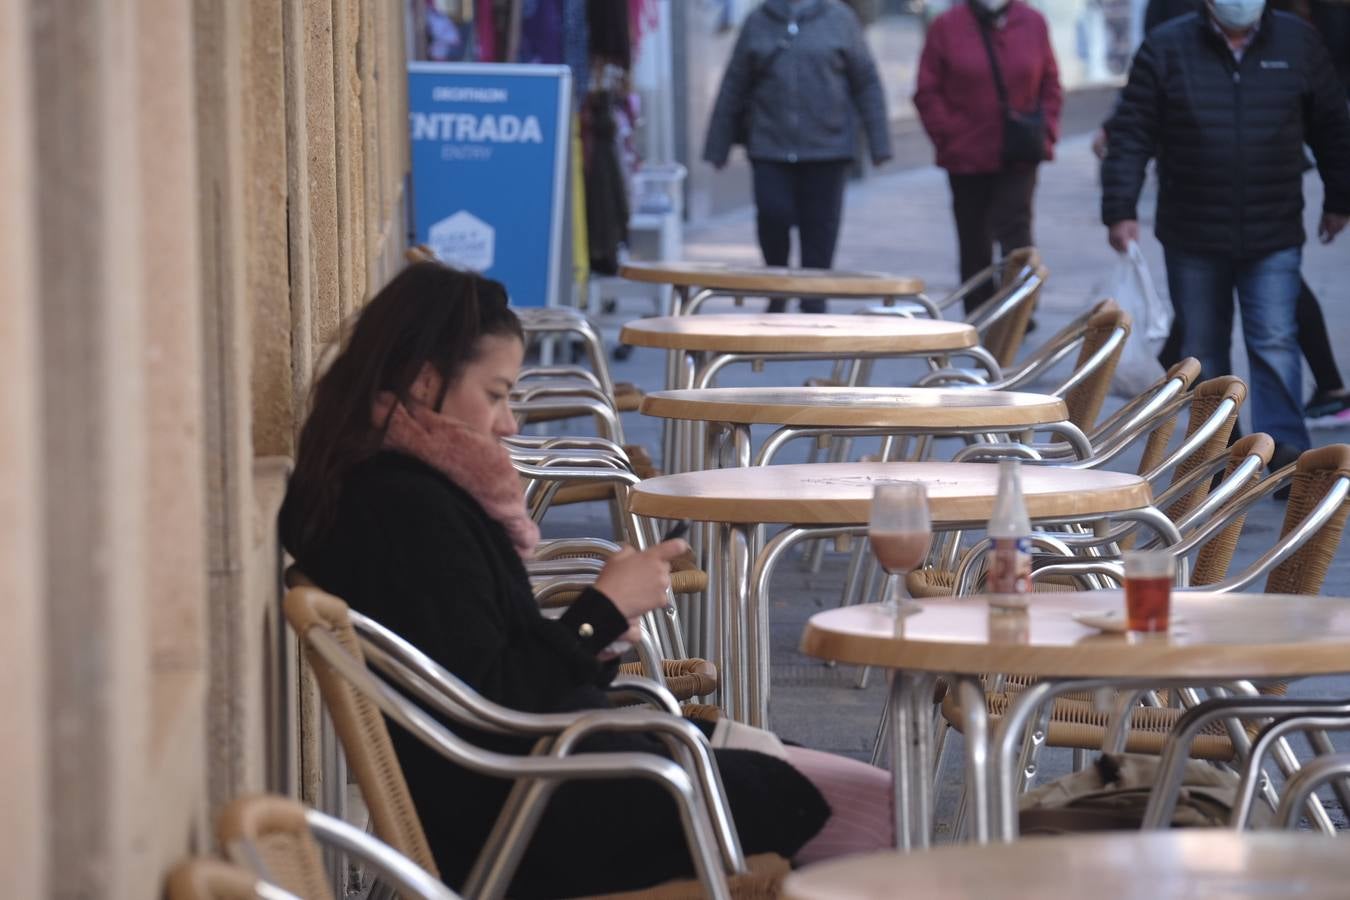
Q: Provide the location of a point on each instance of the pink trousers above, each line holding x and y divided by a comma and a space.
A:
859, 796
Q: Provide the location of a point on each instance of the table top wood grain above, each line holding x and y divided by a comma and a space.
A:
798, 333
773, 279
841, 493
1194, 864
859, 407
1220, 636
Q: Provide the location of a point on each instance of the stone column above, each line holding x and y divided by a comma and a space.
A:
23, 738
235, 708
94, 444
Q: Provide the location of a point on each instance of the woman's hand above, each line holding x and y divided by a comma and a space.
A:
638, 583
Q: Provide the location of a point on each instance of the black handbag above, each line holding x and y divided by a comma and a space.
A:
1023, 133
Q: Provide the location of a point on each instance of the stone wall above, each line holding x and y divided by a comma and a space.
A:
193, 195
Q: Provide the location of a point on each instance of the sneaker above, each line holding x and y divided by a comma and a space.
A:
1327, 403
1339, 420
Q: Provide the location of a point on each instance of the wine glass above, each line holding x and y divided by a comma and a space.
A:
900, 533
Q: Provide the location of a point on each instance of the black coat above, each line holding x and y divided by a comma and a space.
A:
1228, 136
416, 553
794, 90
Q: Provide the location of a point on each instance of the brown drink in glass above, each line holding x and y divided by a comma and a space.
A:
1148, 590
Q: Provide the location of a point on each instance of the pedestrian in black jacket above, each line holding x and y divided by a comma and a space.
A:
405, 505
800, 78
1329, 395
1225, 101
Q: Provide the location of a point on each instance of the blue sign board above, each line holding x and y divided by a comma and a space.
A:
489, 166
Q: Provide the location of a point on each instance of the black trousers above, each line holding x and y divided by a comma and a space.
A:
989, 208
808, 196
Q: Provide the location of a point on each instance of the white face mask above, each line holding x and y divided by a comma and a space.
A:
993, 6
1237, 14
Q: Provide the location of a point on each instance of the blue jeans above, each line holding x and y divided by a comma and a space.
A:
1267, 289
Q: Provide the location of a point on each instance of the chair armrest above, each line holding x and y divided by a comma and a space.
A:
949, 376
530, 392
597, 547
579, 372
1080, 569
411, 880
651, 693
571, 565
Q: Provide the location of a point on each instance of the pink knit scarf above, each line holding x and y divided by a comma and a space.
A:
474, 461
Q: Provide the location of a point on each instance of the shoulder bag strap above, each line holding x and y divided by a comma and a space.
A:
993, 64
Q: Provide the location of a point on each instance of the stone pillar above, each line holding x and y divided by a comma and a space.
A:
275, 402
325, 303
235, 709
367, 57
23, 738
346, 28
174, 500
94, 444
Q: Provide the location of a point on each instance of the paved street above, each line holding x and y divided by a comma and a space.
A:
900, 222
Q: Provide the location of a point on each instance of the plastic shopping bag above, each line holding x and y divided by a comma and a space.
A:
1131, 285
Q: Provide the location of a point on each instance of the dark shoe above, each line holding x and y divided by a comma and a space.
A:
1284, 455
1327, 403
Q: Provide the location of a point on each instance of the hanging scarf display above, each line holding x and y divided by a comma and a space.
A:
608, 24
606, 194
541, 32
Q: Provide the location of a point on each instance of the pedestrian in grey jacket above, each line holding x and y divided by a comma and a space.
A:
800, 79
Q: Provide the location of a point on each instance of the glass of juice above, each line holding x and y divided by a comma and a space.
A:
1148, 589
900, 534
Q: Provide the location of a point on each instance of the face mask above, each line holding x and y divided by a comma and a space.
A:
1237, 14
993, 6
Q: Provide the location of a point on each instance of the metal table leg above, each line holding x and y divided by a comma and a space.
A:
975, 726
911, 698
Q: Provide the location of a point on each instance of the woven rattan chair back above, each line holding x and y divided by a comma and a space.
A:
1155, 446
1004, 338
361, 728
1205, 402
204, 878
1316, 472
1216, 555
272, 830
1085, 400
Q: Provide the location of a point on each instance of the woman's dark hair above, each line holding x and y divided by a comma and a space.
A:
429, 313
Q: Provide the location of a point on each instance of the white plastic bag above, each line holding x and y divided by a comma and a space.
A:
1131, 285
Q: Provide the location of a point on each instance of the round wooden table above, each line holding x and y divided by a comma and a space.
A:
1215, 638
1191, 864
697, 282
959, 494
821, 336
833, 499
855, 411
701, 346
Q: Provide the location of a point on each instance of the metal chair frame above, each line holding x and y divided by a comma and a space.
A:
695, 786
1301, 785
1047, 355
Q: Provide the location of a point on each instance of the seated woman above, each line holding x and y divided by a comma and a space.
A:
405, 504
